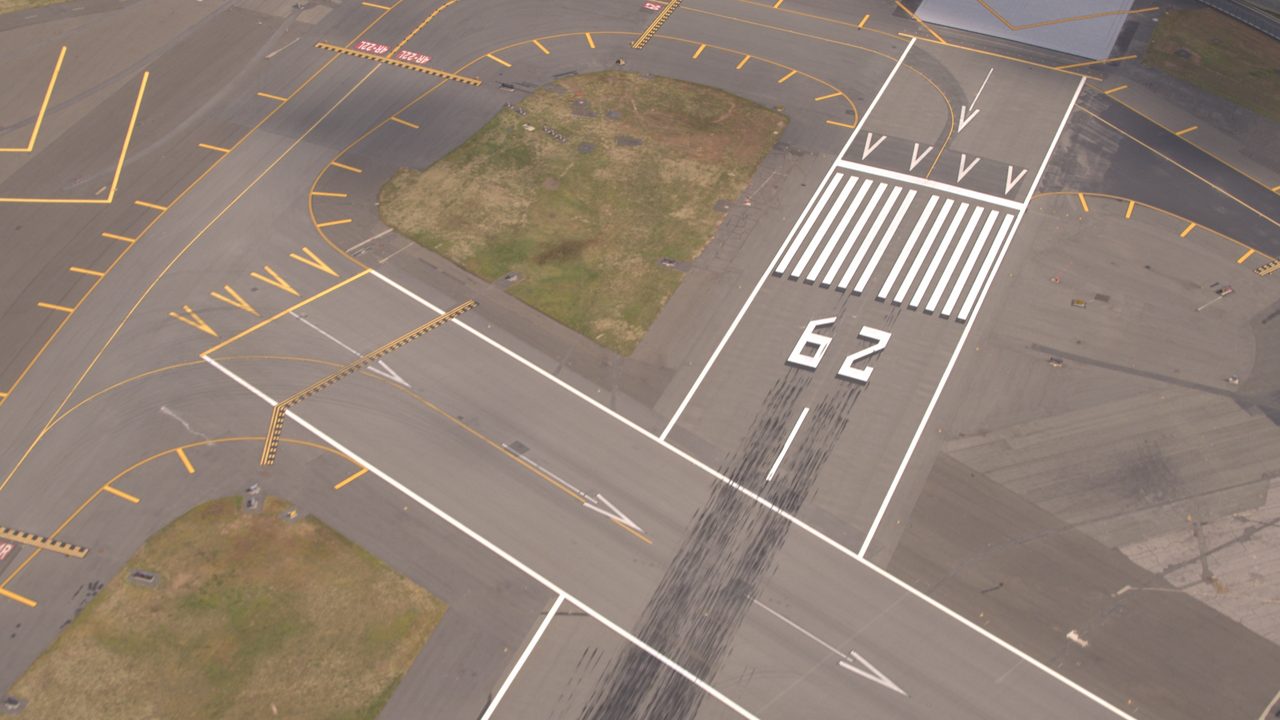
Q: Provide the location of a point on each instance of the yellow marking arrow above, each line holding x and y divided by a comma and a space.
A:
235, 300
194, 321
314, 261
275, 280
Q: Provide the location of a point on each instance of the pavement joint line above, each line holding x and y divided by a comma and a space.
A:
782, 248
524, 656
1010, 58
489, 545
121, 494
44, 106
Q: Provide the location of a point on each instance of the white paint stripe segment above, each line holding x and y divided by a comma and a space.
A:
862, 169
936, 260
946, 373
838, 233
813, 217
885, 239
974, 253
865, 244
458, 525
832, 212
528, 650
857, 557
906, 249
985, 268
786, 445
675, 417
954, 260
855, 234
924, 252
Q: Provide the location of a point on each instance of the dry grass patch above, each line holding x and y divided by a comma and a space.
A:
15, 5
585, 227
251, 613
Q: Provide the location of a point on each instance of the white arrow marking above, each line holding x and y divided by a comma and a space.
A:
870, 147
917, 156
867, 670
387, 373
613, 513
963, 169
386, 370
1011, 180
965, 115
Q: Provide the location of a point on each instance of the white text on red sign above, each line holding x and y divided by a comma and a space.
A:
371, 47
413, 57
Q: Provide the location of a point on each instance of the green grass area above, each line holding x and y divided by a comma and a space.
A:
253, 617
585, 228
1222, 56
15, 5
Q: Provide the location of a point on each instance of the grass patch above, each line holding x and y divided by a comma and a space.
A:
15, 5
250, 612
585, 230
1221, 56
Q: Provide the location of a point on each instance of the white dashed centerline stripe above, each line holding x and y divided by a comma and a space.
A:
786, 446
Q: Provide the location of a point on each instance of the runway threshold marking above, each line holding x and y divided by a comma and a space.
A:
44, 106
524, 655
122, 494
348, 480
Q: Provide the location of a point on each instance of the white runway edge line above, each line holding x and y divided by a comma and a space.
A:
848, 552
964, 334
477, 536
769, 268
528, 650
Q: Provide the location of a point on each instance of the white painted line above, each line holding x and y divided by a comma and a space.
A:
985, 268
930, 184
868, 670
838, 233
954, 260
817, 211
885, 239
786, 445
366, 241
963, 279
869, 238
755, 497
1267, 709
830, 216
906, 249
277, 51
938, 256
528, 650
924, 252
946, 373
675, 417
855, 234
458, 525
386, 370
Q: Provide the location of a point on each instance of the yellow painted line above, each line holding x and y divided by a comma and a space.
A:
194, 320
1059, 21
86, 271
421, 25
349, 478
1083, 203
331, 223
828, 96
405, 123
348, 168
1128, 213
1276, 189
121, 238
17, 598
269, 96
121, 494
590, 41
1247, 254
497, 59
837, 123
328, 194
863, 23
399, 63
649, 32
51, 306
742, 62
153, 206
286, 311
234, 299
786, 77
314, 261
275, 280
698, 52
1187, 230
777, 4
44, 105
207, 146
618, 522
541, 47
1115, 89
3, 395
376, 6
1096, 62
920, 22
186, 461
1184, 131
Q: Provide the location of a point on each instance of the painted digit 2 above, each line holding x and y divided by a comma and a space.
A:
820, 343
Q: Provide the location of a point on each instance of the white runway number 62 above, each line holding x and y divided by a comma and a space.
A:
810, 337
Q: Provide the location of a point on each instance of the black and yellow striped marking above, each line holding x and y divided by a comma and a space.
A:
399, 63
42, 542
1265, 270
652, 30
